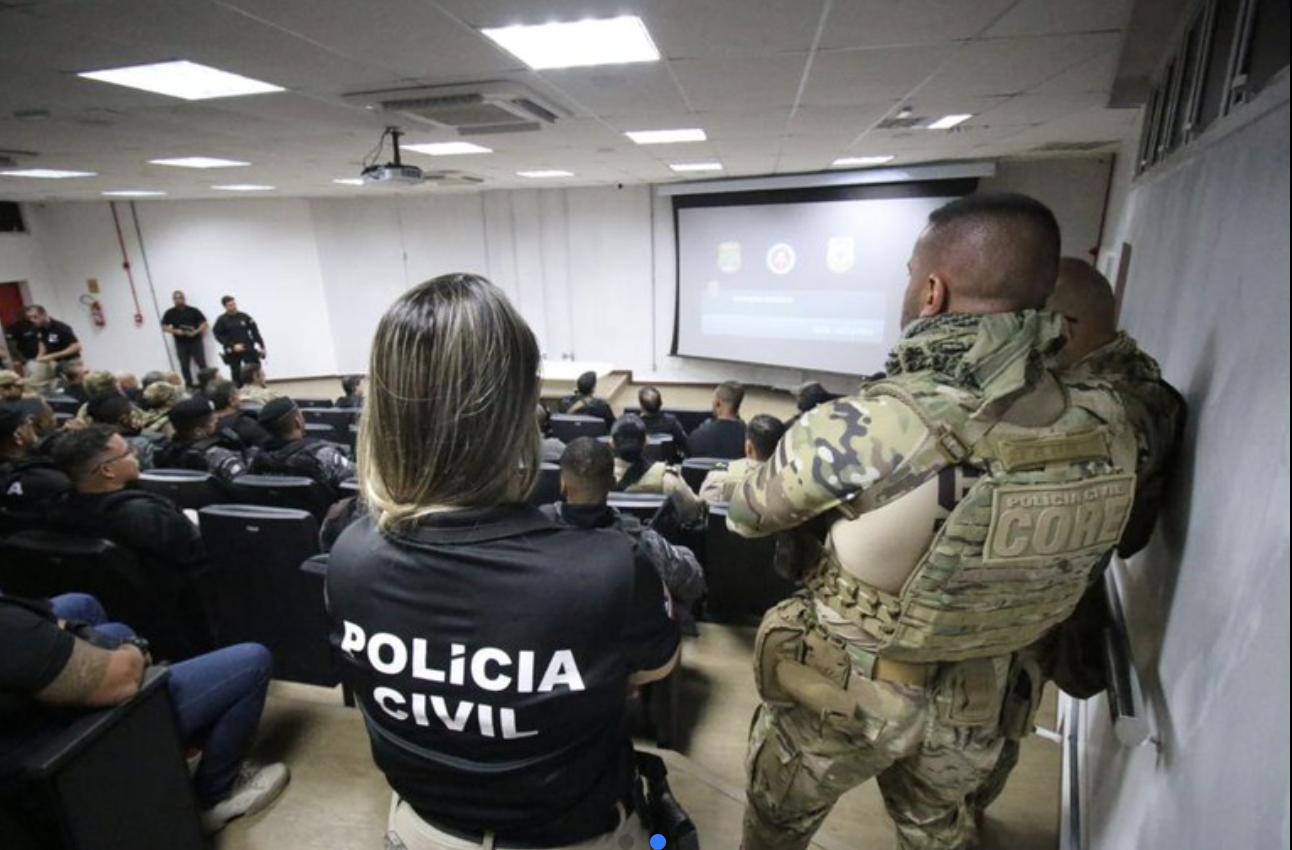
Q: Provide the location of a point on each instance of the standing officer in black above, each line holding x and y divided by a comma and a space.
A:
186, 324
238, 333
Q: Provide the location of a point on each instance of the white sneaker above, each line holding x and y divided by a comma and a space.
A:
253, 789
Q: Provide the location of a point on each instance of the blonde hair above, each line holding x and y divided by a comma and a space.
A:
449, 418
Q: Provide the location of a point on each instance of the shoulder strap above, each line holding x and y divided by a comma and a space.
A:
634, 473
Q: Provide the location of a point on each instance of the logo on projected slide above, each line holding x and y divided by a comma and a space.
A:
781, 258
729, 257
840, 254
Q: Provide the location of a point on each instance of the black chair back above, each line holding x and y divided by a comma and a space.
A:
321, 430
547, 487
742, 581
282, 491
695, 469
109, 779
338, 419
312, 402
261, 593
688, 419
570, 426
39, 564
63, 404
659, 447
644, 506
190, 489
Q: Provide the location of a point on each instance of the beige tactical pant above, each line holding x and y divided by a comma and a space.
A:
41, 376
928, 748
416, 834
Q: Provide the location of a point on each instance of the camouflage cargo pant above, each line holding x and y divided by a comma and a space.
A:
928, 748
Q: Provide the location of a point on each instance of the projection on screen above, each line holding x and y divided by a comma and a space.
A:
809, 279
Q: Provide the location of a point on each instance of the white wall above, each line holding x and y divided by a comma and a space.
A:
1207, 602
592, 270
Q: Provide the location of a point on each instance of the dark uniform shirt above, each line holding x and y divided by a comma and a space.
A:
498, 644
36, 651
234, 328
586, 405
723, 438
26, 338
56, 335
307, 457
184, 318
666, 423
28, 486
223, 455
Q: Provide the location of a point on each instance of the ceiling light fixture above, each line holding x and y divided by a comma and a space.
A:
859, 161
199, 162
946, 122
46, 173
578, 44
133, 193
448, 148
182, 79
545, 174
244, 187
666, 137
349, 181
684, 167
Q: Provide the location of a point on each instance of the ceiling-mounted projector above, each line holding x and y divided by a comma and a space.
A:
393, 173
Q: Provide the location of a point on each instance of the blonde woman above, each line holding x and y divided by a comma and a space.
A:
489, 649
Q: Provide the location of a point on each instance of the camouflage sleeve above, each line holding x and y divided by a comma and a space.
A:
676, 565
225, 464
336, 466
712, 487
689, 506
829, 456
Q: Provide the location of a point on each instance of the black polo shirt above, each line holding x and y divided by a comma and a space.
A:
36, 651
26, 337
56, 335
237, 328
724, 438
28, 486
490, 652
184, 318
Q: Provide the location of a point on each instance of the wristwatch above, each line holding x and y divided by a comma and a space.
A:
142, 645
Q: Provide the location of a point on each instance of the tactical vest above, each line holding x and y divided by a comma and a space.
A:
1016, 552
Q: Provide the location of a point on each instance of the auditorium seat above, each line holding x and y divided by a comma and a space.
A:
321, 431
568, 426
312, 402
63, 404
111, 778
339, 419
742, 582
659, 447
350, 487
40, 564
547, 486
282, 491
695, 469
190, 489
262, 594
688, 419
644, 506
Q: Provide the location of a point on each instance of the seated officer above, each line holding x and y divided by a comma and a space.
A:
660, 423
635, 474
254, 390
116, 411
290, 452
29, 480
226, 398
587, 477
761, 437
159, 397
199, 444
102, 467
584, 403
553, 448
352, 386
724, 434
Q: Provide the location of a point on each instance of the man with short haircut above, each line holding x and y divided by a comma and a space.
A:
11, 385
587, 477
253, 389
723, 435
552, 448
187, 325
29, 481
761, 437
72, 384
115, 411
104, 503
159, 397
352, 389
57, 349
290, 452
200, 444
658, 422
130, 387
905, 660
240, 336
583, 402
808, 396
229, 415
634, 474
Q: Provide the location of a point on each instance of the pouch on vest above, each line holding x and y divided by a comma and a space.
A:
780, 638
969, 693
1022, 697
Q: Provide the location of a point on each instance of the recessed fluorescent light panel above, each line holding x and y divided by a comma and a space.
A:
946, 122
46, 173
348, 181
447, 148
199, 162
133, 193
683, 167
186, 80
545, 174
857, 161
580, 44
244, 187
666, 137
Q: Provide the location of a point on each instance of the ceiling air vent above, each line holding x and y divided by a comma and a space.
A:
1059, 147
451, 178
908, 123
471, 109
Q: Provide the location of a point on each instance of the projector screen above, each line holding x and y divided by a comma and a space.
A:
804, 278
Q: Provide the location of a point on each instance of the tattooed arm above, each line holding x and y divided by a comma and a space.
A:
95, 677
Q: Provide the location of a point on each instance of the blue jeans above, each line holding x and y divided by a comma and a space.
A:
83, 607
218, 698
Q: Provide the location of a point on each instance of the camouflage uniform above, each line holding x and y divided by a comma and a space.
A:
667, 480
720, 483
1155, 411
972, 494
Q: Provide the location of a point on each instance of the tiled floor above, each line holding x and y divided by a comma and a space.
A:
337, 800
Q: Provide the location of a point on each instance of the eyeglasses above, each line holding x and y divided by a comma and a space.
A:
115, 458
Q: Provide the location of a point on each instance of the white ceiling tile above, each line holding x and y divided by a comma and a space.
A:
861, 76
893, 23
1015, 65
729, 82
1052, 17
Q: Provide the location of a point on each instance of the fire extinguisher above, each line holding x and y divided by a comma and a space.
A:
96, 310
